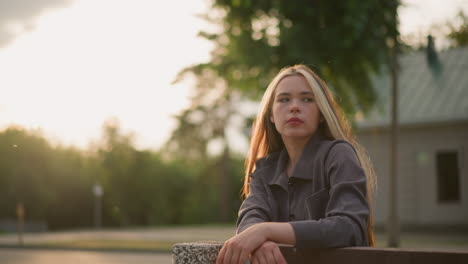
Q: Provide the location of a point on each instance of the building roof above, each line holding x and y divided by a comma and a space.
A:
426, 95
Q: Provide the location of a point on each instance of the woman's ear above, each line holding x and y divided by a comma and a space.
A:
272, 119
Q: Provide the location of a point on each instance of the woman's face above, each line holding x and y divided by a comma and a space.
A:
295, 112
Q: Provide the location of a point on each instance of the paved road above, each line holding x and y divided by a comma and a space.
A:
35, 256
441, 241
173, 234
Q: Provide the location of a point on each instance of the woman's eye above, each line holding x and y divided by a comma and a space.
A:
308, 99
283, 100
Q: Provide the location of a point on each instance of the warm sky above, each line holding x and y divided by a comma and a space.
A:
68, 65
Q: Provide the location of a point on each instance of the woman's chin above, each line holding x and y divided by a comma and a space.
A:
296, 135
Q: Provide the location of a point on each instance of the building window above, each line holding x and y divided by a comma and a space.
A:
448, 182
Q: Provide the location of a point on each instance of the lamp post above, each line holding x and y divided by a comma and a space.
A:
20, 215
393, 216
98, 193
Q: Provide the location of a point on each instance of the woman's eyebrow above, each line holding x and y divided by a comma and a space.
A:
301, 93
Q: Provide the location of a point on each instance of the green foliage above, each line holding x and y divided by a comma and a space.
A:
344, 41
140, 188
23, 165
210, 191
459, 30
70, 180
50, 182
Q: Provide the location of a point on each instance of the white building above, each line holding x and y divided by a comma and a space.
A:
433, 141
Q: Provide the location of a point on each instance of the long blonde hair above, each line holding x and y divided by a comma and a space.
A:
266, 139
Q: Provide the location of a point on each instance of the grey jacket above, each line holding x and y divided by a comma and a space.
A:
324, 200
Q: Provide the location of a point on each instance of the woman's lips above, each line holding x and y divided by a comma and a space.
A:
295, 121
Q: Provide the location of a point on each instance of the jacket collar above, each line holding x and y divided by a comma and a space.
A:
280, 178
302, 167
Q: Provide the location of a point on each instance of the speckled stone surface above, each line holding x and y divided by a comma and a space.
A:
203, 252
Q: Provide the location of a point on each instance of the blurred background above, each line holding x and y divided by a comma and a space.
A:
137, 114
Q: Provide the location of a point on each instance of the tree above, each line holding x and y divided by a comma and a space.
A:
53, 183
24, 166
343, 41
459, 30
140, 189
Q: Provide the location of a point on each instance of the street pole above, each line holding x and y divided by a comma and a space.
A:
98, 193
20, 216
393, 217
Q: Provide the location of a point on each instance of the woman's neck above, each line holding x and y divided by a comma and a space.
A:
294, 147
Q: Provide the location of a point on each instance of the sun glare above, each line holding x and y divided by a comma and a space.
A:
78, 65
99, 59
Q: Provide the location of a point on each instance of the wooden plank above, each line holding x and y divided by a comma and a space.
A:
362, 255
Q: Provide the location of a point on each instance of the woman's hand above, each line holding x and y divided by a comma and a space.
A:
237, 249
268, 252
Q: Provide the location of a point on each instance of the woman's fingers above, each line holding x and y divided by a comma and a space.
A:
237, 249
227, 256
279, 258
269, 255
269, 252
244, 255
232, 253
254, 259
220, 257
261, 257
235, 253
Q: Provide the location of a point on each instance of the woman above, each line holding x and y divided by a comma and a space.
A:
307, 181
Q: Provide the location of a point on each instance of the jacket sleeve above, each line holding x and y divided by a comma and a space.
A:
347, 211
255, 208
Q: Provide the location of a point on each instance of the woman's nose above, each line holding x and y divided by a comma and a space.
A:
294, 106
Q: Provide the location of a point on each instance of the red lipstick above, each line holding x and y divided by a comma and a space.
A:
295, 121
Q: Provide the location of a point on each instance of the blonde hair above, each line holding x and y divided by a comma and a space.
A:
266, 139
